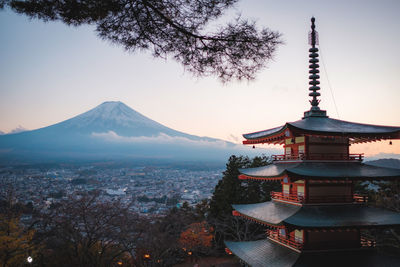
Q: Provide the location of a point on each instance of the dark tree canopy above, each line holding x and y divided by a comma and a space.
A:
168, 28
230, 190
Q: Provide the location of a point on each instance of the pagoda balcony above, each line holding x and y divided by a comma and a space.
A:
360, 198
363, 243
298, 245
290, 242
298, 199
319, 156
355, 198
287, 197
288, 157
367, 242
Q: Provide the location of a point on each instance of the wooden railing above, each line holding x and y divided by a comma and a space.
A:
319, 199
320, 156
288, 157
367, 242
364, 242
287, 197
360, 198
290, 242
335, 156
338, 199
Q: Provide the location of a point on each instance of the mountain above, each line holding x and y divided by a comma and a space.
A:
112, 130
116, 117
19, 129
388, 163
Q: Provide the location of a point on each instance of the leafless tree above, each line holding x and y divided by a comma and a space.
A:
236, 228
84, 231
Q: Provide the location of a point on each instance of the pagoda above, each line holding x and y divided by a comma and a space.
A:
317, 219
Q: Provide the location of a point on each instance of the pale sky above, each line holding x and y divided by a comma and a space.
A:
50, 72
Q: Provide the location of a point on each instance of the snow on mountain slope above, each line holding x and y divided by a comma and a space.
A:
113, 129
114, 117
116, 112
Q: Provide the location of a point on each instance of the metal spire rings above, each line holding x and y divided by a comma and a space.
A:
313, 40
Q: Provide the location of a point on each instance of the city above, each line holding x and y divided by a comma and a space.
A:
150, 190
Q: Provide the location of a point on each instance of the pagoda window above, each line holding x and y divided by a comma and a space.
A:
286, 189
289, 141
282, 233
298, 236
301, 150
294, 147
300, 191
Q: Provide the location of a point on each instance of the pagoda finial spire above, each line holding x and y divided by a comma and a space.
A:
314, 67
313, 34
314, 71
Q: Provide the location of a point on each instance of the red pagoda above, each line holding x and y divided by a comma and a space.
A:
316, 220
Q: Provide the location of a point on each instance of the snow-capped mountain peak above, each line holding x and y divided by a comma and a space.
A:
115, 116
112, 130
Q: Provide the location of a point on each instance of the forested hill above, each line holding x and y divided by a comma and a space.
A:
389, 163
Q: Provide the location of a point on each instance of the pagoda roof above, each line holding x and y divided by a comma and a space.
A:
328, 170
318, 216
266, 253
325, 126
271, 212
263, 253
362, 257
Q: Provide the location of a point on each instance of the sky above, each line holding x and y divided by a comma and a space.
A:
50, 72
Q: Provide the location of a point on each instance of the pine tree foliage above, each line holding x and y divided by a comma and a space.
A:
168, 28
230, 190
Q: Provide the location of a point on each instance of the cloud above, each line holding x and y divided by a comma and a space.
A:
162, 138
179, 141
18, 129
234, 138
